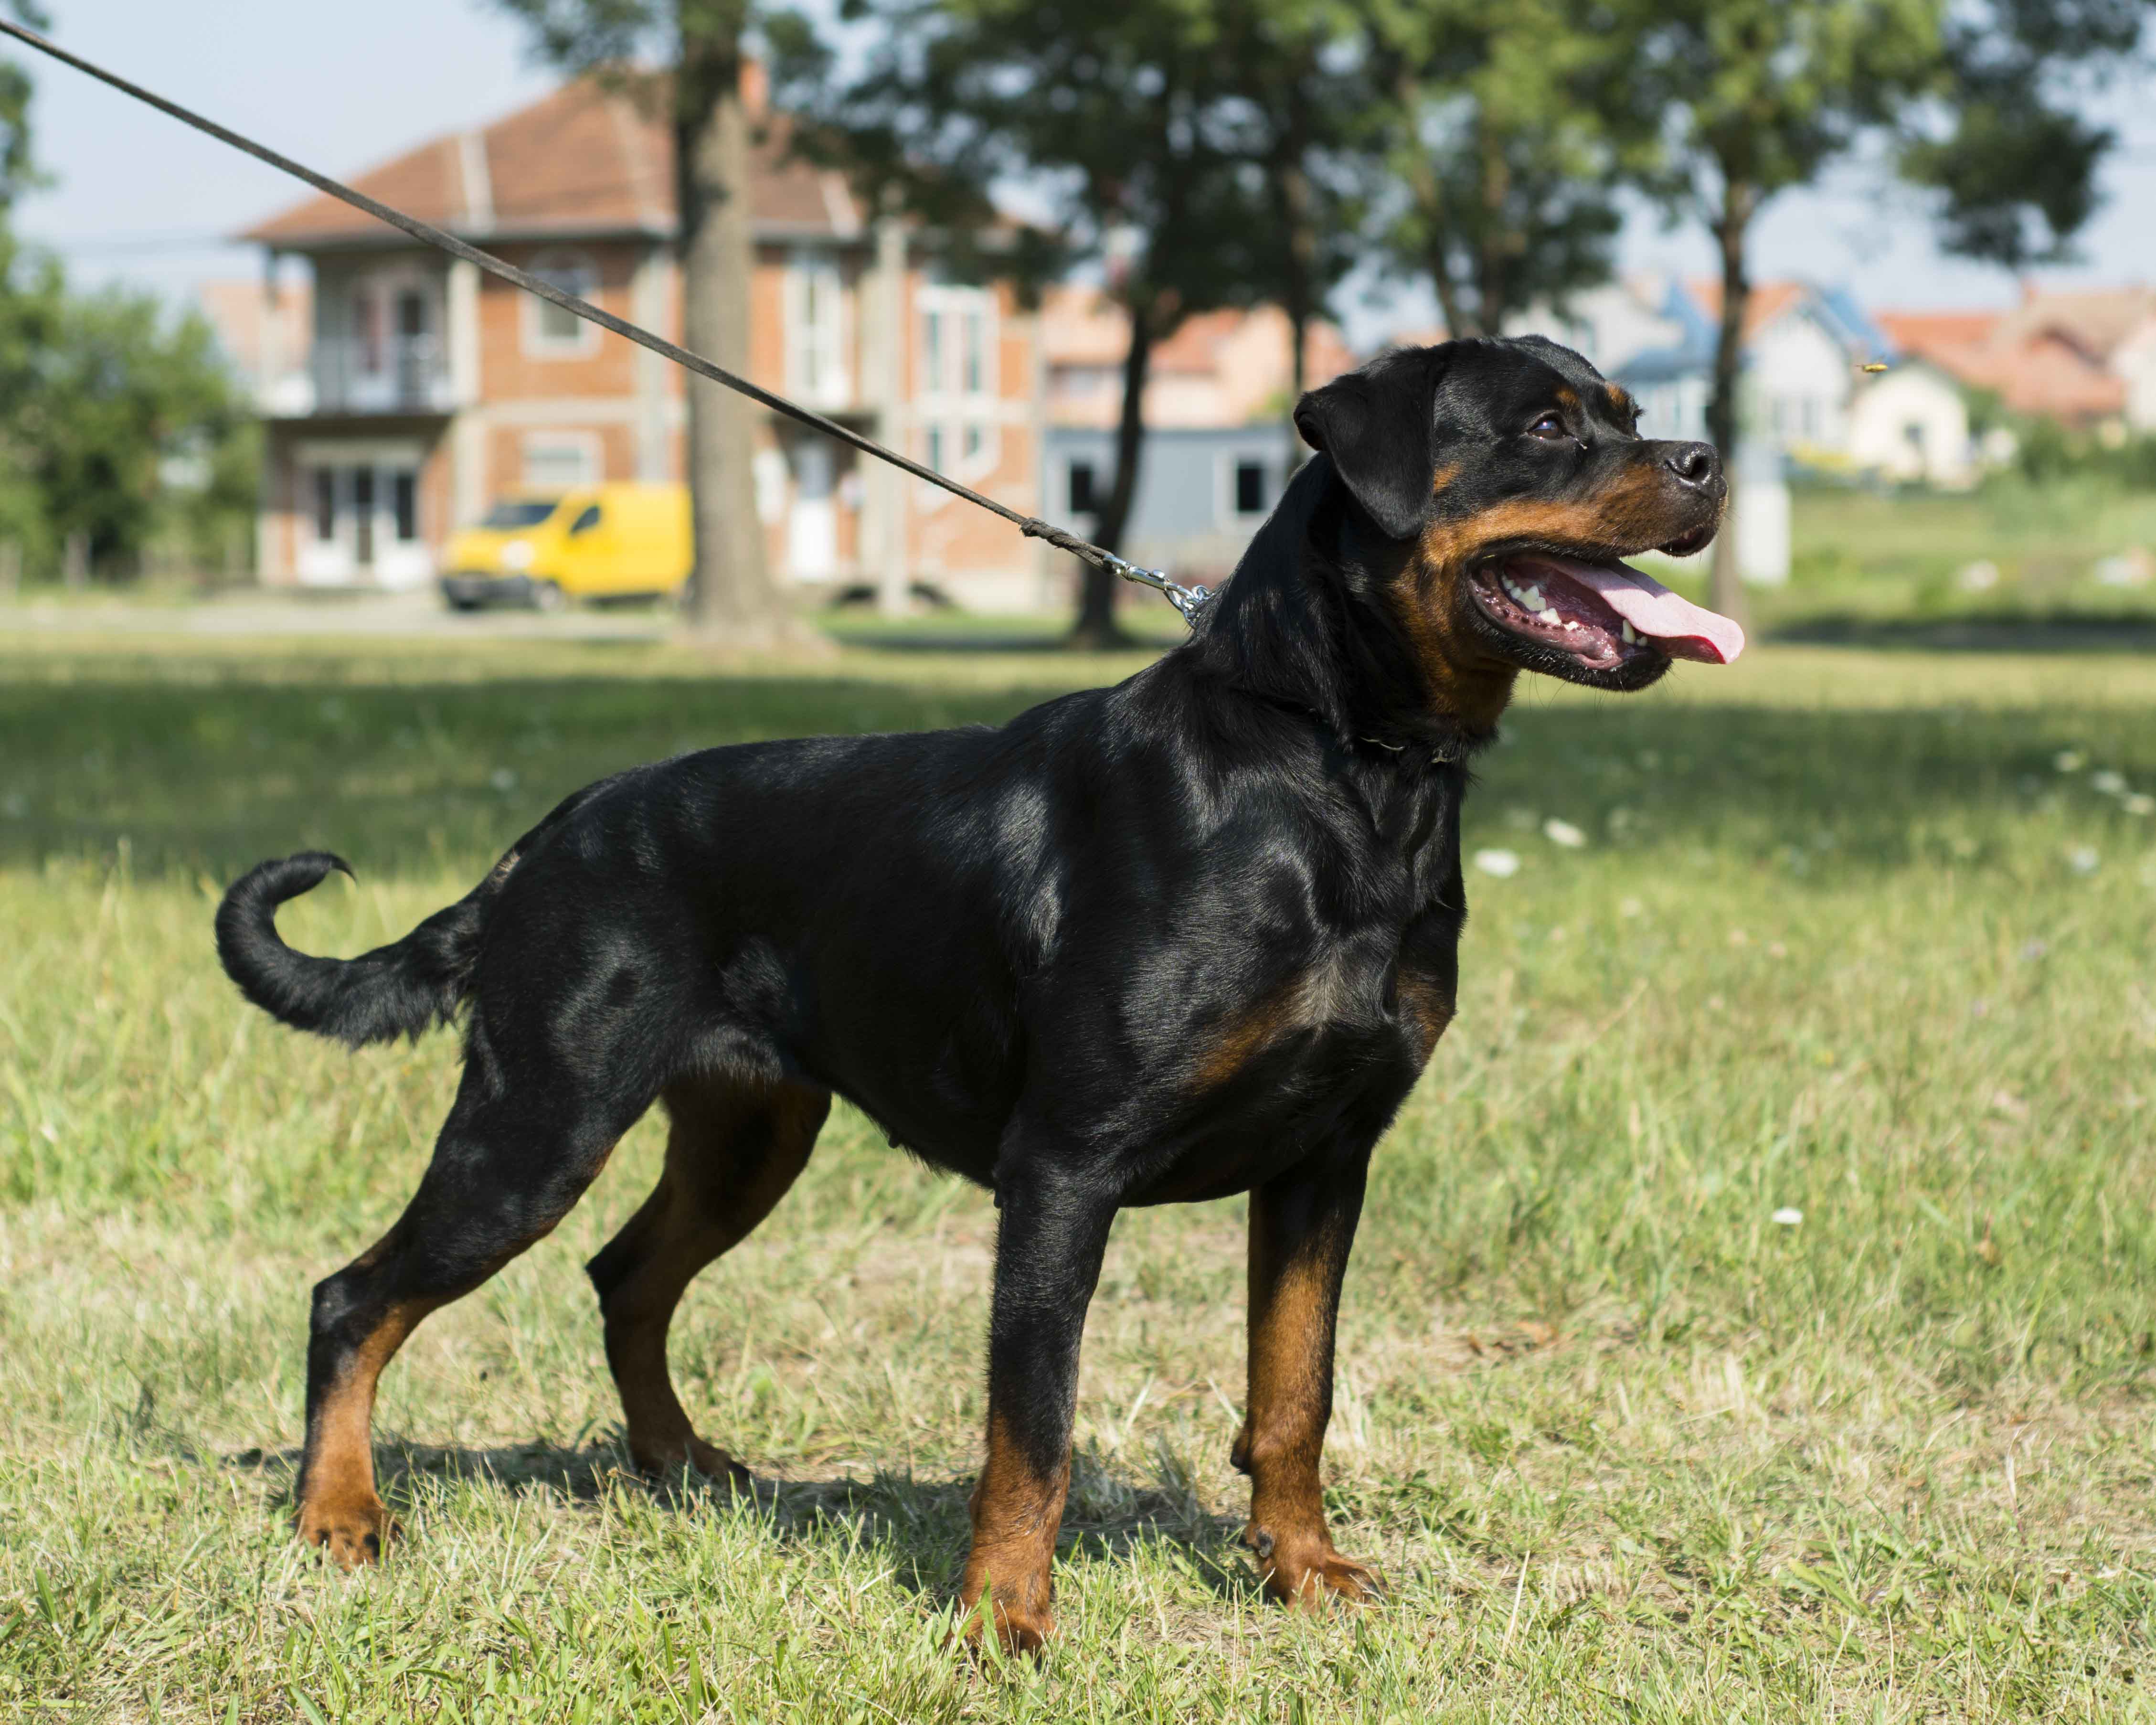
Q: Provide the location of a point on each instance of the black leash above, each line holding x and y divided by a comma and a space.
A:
1189, 600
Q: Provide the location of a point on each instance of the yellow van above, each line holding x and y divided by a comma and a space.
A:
598, 541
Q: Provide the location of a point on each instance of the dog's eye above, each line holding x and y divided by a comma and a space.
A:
1549, 426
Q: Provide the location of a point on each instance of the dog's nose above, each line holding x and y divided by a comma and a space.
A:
1694, 464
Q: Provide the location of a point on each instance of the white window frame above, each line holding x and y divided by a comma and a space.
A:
960, 385
1231, 460
816, 329
574, 273
589, 446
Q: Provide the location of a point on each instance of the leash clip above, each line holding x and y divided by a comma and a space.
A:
1189, 600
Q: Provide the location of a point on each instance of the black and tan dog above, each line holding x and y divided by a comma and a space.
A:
1191, 936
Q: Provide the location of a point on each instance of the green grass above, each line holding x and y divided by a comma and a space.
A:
1871, 562
1843, 938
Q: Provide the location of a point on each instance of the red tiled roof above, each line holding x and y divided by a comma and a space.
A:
2048, 357
590, 158
1925, 332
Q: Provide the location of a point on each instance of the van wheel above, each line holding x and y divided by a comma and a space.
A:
548, 595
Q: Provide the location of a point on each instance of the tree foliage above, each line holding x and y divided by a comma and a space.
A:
118, 423
1115, 112
1492, 172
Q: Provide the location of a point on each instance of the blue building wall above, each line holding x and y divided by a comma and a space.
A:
1185, 517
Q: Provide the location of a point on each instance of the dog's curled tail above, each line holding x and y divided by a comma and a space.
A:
395, 990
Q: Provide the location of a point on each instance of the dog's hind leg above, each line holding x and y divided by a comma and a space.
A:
1303, 1224
734, 1150
508, 1165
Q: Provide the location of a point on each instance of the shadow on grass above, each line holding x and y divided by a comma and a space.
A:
439, 778
923, 1524
2069, 632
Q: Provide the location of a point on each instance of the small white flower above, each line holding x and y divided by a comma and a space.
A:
502, 779
2070, 760
2138, 803
1503, 863
1788, 1216
2112, 784
2083, 860
1564, 833
1631, 907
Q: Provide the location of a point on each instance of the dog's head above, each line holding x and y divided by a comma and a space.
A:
1515, 478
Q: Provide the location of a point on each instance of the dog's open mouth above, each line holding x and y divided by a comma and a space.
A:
1602, 612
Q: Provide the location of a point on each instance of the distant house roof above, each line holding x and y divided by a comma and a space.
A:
593, 158
2048, 356
1224, 367
1834, 308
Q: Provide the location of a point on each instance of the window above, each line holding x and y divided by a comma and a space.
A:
1250, 488
957, 391
549, 331
815, 329
325, 505
525, 513
362, 515
561, 460
585, 523
1084, 498
366, 332
404, 504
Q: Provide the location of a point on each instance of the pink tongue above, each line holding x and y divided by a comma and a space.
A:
1685, 630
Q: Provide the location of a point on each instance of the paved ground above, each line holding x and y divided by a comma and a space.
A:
261, 614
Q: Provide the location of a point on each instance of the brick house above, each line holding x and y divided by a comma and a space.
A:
429, 388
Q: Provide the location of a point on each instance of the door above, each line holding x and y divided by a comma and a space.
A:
812, 528
362, 525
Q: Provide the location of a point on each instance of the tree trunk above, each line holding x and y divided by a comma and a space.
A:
1298, 231
1096, 626
732, 597
1740, 201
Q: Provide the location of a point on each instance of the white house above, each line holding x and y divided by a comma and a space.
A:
1805, 393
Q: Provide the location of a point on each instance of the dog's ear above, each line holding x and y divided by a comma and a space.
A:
1376, 425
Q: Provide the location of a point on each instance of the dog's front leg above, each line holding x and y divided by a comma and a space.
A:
1303, 1224
1054, 1229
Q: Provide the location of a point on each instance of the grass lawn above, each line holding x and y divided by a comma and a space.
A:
1863, 935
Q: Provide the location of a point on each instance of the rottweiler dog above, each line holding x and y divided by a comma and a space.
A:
1191, 936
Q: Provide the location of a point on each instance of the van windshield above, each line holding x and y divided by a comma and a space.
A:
520, 512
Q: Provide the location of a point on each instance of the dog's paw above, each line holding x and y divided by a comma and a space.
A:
715, 1463
1017, 1630
349, 1531
1311, 1574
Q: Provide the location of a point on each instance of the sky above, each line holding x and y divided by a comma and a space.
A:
141, 199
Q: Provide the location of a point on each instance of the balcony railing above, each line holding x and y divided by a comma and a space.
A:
403, 374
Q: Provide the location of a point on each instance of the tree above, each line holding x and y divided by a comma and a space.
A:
1494, 172
1297, 91
103, 398
1113, 110
731, 594
1757, 96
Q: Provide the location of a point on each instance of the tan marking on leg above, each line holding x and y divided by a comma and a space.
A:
340, 1510
1294, 1305
731, 1156
1017, 1513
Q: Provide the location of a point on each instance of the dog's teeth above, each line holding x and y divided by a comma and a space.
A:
1625, 629
1569, 623
1532, 598
1548, 616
